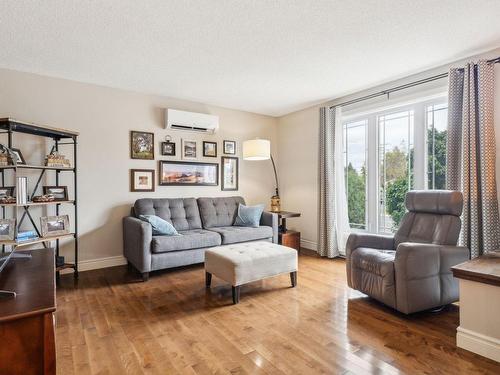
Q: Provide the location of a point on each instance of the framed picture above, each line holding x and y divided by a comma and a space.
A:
54, 225
188, 173
19, 156
189, 151
229, 147
60, 193
168, 148
142, 180
7, 229
230, 173
142, 145
6, 191
210, 149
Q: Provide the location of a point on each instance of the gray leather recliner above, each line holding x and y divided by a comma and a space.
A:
410, 271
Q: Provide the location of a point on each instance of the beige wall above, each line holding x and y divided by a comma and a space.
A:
298, 151
104, 118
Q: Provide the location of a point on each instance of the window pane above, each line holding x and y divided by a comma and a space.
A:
395, 167
355, 172
436, 116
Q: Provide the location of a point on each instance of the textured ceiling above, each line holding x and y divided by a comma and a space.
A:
263, 56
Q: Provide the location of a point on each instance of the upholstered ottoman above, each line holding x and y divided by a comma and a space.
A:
243, 263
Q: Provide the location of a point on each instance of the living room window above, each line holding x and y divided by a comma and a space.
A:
388, 151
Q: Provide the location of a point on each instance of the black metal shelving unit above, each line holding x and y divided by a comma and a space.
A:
60, 137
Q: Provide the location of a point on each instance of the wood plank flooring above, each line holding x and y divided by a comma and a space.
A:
111, 323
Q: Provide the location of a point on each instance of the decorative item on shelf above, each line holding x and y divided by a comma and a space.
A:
7, 229
142, 180
22, 190
142, 145
59, 193
54, 225
7, 199
57, 160
188, 173
189, 149
229, 147
230, 173
168, 147
27, 235
18, 155
260, 149
5, 159
209, 149
43, 198
6, 191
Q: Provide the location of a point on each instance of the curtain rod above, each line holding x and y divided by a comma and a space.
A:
401, 87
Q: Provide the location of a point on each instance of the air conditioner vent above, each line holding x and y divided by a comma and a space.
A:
191, 121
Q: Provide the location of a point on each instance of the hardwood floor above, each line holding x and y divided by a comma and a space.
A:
112, 323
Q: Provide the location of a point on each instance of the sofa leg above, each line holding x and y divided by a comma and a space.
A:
145, 276
208, 279
293, 278
236, 294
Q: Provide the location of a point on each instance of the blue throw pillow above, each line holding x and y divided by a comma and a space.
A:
160, 226
249, 216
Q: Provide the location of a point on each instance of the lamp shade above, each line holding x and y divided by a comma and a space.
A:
257, 149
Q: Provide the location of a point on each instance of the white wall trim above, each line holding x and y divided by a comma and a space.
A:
478, 343
309, 245
94, 264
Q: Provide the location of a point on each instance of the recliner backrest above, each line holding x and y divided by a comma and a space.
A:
433, 217
182, 213
219, 212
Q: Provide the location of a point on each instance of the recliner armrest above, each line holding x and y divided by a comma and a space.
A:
270, 219
137, 236
374, 241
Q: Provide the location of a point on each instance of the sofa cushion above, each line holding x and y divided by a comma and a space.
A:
219, 212
160, 226
249, 216
182, 213
190, 239
232, 234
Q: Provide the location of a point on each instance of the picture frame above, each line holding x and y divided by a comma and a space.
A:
229, 147
189, 149
60, 193
20, 158
7, 229
142, 180
185, 173
168, 148
230, 173
142, 145
7, 191
54, 225
209, 149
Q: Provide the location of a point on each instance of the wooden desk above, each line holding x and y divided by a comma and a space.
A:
288, 237
27, 321
479, 329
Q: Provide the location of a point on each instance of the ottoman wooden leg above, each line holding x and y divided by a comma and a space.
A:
293, 278
208, 279
236, 294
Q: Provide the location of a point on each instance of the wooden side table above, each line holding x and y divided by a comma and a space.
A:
287, 237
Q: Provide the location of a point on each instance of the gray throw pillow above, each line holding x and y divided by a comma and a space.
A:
249, 216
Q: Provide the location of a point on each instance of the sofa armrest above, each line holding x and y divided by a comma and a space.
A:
137, 236
271, 220
423, 275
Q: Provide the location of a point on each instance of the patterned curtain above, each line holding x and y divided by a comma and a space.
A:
333, 216
471, 154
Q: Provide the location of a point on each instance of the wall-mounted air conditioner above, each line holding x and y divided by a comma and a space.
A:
191, 121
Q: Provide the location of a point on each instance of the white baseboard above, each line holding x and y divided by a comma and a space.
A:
306, 244
478, 343
94, 264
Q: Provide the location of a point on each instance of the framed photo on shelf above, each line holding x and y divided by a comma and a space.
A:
174, 173
19, 155
209, 149
229, 147
168, 148
54, 225
230, 173
6, 191
60, 193
7, 229
189, 151
142, 145
142, 180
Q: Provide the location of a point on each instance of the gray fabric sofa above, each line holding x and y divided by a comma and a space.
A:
411, 271
202, 223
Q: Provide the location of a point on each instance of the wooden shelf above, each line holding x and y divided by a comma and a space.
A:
36, 129
36, 203
29, 166
36, 240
